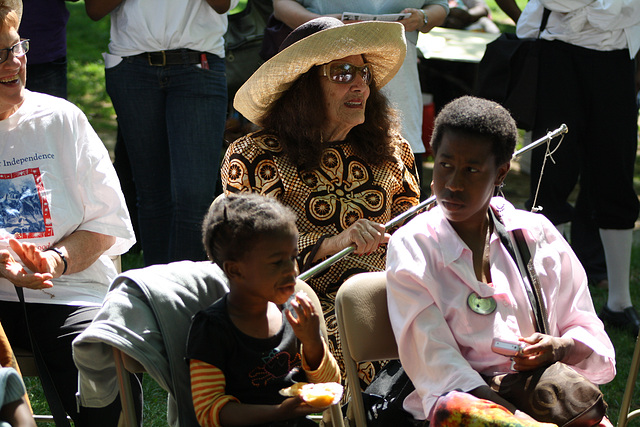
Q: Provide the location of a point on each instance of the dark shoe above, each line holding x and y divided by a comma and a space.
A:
626, 319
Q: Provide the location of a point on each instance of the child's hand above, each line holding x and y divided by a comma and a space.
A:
306, 326
305, 322
296, 407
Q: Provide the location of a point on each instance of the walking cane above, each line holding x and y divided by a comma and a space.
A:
406, 214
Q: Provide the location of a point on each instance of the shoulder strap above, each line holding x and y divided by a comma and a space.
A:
545, 19
522, 258
48, 386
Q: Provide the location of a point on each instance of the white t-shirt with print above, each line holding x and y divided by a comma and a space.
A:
56, 177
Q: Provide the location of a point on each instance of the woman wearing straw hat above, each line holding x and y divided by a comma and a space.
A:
403, 91
329, 147
62, 214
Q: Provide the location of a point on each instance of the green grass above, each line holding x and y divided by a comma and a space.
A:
88, 39
624, 345
499, 16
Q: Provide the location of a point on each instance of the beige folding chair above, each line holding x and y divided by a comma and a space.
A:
365, 331
125, 364
626, 416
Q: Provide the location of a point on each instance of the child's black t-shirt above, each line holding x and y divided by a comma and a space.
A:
255, 369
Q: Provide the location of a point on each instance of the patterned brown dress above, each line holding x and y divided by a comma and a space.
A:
327, 201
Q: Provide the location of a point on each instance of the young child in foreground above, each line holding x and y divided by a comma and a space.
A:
453, 286
246, 347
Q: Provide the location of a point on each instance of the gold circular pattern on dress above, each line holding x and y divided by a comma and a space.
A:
322, 209
310, 179
267, 171
272, 144
235, 171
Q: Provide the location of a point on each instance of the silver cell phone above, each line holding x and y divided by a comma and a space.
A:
506, 348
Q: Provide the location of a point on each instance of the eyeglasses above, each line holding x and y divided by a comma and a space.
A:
18, 50
343, 72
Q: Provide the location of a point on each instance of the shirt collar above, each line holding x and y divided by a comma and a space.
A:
456, 246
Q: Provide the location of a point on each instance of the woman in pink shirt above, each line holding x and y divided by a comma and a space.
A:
453, 287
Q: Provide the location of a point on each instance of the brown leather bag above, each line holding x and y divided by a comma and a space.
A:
553, 394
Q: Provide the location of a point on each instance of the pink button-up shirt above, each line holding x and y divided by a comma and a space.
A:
443, 344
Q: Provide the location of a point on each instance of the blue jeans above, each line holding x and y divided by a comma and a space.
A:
172, 119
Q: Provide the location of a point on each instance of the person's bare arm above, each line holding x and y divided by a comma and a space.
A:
17, 414
98, 9
478, 11
220, 6
511, 8
293, 13
435, 14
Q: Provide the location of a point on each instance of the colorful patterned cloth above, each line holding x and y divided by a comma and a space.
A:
456, 409
327, 201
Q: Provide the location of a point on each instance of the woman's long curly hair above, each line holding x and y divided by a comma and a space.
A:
298, 116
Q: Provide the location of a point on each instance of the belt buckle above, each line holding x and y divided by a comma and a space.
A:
164, 59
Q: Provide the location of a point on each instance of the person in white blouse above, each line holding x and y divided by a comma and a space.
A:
591, 87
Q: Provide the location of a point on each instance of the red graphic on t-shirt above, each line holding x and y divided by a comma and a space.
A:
24, 209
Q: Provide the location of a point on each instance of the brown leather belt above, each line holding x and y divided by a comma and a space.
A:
171, 57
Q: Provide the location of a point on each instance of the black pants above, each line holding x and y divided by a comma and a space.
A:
54, 327
49, 77
593, 92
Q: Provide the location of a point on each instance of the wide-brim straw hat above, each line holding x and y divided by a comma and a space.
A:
15, 5
318, 42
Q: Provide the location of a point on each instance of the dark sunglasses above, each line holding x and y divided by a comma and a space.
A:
19, 49
343, 72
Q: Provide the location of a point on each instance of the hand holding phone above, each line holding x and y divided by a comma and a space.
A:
507, 348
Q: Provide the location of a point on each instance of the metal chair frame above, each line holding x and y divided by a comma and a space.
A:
626, 416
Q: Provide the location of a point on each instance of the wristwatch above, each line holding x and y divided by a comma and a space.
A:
62, 257
425, 19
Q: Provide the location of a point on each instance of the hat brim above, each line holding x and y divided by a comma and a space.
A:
382, 44
15, 5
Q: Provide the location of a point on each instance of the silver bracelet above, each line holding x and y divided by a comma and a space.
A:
425, 19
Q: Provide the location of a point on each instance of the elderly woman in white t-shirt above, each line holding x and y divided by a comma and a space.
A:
62, 214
